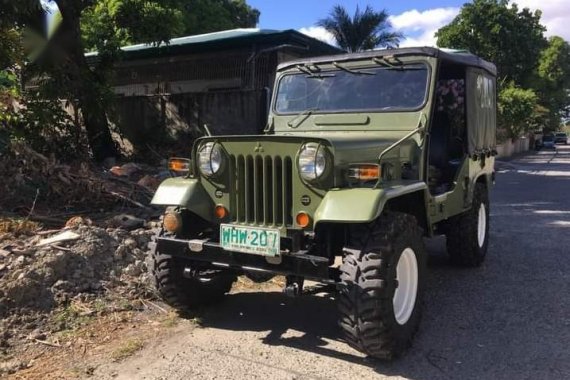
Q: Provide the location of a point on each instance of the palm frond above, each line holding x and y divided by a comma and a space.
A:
365, 30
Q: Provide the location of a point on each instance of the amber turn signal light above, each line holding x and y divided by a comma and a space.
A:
364, 172
220, 211
179, 165
303, 219
172, 222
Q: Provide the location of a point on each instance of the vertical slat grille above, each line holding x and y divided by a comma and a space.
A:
261, 187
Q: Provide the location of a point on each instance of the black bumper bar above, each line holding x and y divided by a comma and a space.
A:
298, 264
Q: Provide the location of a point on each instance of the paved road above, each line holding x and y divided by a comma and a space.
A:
509, 319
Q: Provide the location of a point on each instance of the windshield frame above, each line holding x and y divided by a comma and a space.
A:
363, 66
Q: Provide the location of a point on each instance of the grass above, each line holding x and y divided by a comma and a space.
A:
70, 317
170, 320
127, 349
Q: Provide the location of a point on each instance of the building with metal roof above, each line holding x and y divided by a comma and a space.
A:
221, 79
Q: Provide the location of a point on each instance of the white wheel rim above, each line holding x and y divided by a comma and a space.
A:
482, 225
405, 295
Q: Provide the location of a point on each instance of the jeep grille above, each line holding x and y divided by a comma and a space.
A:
261, 192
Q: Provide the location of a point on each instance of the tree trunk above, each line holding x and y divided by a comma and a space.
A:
84, 84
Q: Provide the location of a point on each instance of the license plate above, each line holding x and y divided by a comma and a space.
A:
256, 240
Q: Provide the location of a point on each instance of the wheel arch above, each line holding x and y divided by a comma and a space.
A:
364, 205
187, 193
485, 179
412, 204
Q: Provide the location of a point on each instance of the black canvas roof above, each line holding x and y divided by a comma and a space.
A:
457, 56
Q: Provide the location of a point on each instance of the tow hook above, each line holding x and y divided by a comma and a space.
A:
293, 286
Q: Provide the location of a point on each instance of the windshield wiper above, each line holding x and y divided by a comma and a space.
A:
312, 74
389, 62
356, 72
301, 117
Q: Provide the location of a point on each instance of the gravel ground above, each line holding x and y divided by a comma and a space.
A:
509, 319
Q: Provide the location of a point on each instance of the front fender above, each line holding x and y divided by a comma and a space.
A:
185, 192
360, 205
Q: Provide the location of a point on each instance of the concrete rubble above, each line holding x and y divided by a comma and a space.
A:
40, 275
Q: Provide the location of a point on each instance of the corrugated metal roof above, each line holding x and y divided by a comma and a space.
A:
218, 37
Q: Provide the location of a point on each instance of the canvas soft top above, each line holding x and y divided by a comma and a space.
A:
457, 56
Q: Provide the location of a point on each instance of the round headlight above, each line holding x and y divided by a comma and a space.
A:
312, 161
210, 158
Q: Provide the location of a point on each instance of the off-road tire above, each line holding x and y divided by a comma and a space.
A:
368, 283
182, 293
462, 232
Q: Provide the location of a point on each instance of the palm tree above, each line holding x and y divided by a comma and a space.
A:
364, 31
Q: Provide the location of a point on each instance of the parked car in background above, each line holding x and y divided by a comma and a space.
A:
561, 138
548, 142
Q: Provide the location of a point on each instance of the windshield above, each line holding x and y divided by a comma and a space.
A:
561, 135
548, 138
366, 89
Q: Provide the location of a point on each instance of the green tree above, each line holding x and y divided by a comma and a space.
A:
10, 46
206, 16
517, 110
366, 30
501, 33
109, 24
553, 80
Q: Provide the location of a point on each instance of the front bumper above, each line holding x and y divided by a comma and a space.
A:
208, 252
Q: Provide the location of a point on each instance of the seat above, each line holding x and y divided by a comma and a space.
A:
439, 154
439, 141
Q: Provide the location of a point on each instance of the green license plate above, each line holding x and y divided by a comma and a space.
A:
259, 241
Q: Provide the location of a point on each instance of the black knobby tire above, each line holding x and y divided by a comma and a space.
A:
180, 292
463, 245
368, 283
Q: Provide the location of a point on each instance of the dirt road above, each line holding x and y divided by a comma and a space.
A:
509, 319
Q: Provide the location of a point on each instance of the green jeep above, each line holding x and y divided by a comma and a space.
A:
362, 157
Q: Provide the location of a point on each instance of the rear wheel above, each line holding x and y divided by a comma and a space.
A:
468, 233
382, 278
184, 287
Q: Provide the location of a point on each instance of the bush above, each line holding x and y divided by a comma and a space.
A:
41, 122
517, 108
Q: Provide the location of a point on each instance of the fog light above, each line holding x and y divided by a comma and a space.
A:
303, 219
220, 211
172, 221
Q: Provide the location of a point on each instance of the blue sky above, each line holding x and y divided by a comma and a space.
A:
295, 14
417, 19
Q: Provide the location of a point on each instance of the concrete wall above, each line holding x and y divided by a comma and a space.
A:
161, 118
509, 147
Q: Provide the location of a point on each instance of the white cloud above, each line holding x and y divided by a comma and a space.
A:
555, 15
419, 27
319, 33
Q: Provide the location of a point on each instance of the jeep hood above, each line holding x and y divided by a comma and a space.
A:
349, 147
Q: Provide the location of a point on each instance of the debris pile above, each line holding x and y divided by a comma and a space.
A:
73, 242
31, 177
50, 270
